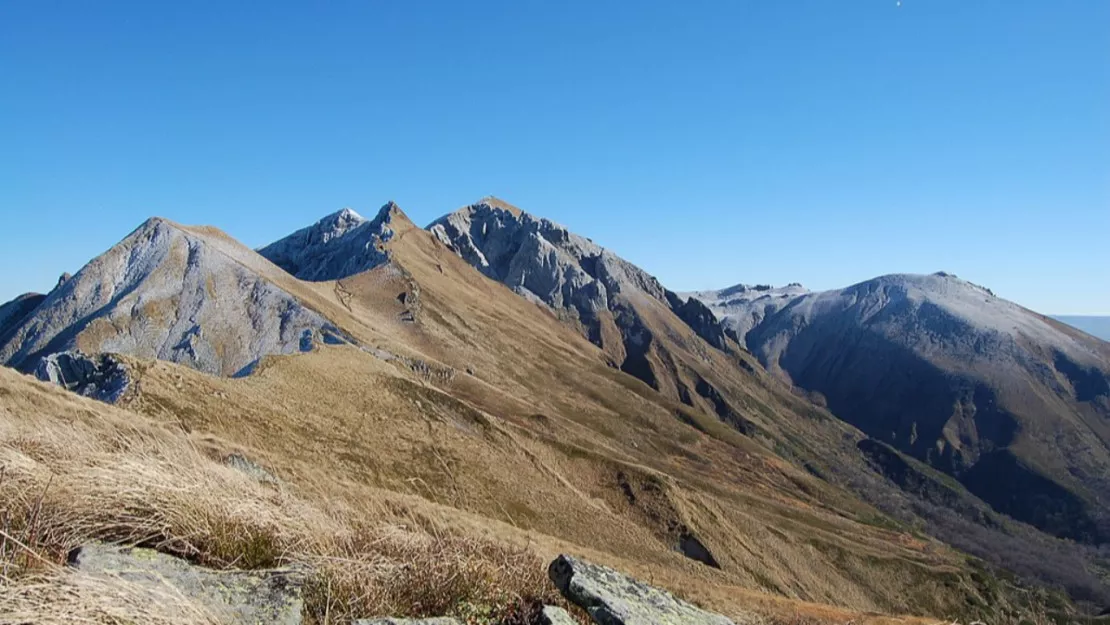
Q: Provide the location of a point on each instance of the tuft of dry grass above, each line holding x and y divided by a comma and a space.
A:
399, 570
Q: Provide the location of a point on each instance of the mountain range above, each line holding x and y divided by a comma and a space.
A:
909, 444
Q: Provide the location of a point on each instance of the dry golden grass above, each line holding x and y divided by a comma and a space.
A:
75, 471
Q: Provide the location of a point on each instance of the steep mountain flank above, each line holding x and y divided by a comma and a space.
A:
1012, 403
619, 306
187, 295
14, 312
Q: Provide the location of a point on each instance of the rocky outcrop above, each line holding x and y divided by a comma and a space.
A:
339, 245
235, 597
701, 318
101, 377
577, 278
612, 598
183, 294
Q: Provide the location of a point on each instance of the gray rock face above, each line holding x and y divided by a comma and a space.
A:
339, 245
246, 597
101, 377
545, 262
539, 258
612, 598
187, 295
947, 372
14, 312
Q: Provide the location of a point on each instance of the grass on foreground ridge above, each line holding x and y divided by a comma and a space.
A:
73, 471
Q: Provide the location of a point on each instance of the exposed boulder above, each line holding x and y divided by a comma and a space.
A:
612, 598
246, 597
554, 615
101, 377
245, 465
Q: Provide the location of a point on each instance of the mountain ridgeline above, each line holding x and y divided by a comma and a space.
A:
698, 424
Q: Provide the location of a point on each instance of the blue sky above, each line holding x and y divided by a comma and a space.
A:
710, 142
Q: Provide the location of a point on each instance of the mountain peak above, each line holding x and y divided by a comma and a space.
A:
186, 294
497, 203
339, 245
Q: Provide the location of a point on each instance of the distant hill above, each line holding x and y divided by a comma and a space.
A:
1010, 402
1095, 326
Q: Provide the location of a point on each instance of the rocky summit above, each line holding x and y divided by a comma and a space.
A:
339, 245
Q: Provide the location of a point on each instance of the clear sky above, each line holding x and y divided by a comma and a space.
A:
817, 141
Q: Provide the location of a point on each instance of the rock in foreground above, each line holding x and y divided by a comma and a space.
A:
101, 377
245, 597
612, 598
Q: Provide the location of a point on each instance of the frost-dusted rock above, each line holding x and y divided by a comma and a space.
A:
101, 377
612, 598
190, 295
554, 615
238, 597
339, 245
1008, 401
742, 307
437, 620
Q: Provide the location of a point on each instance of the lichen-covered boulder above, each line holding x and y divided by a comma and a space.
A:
237, 597
612, 598
554, 615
